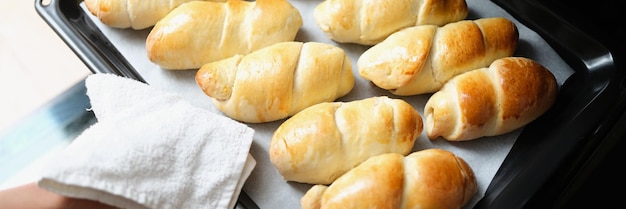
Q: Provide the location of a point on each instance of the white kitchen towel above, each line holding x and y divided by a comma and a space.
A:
152, 149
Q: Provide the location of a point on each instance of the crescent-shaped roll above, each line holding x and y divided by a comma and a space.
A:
421, 59
277, 81
199, 32
135, 14
431, 178
324, 141
509, 94
368, 22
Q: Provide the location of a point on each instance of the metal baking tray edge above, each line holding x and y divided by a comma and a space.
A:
548, 154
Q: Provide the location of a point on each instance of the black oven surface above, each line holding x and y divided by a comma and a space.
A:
599, 180
587, 35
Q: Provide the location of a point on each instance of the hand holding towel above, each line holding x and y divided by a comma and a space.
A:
152, 149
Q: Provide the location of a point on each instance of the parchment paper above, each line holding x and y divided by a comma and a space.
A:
265, 185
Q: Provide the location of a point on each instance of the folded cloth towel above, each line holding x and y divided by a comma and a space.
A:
152, 149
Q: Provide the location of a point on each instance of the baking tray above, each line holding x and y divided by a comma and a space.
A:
538, 168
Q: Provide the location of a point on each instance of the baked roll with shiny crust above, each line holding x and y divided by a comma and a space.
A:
324, 141
200, 32
135, 14
421, 59
368, 22
431, 178
277, 81
509, 94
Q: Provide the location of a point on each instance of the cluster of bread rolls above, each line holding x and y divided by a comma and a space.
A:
420, 59
278, 81
430, 178
199, 32
187, 34
368, 22
322, 142
357, 153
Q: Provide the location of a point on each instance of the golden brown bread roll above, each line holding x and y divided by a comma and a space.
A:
324, 141
136, 14
509, 94
431, 178
200, 32
421, 59
277, 81
368, 22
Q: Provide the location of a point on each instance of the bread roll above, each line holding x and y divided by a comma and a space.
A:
509, 94
135, 14
200, 32
277, 81
368, 22
431, 178
324, 141
421, 59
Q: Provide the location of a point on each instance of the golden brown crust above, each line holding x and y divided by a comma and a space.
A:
189, 36
408, 66
431, 178
322, 142
458, 47
376, 183
402, 62
441, 114
323, 64
441, 171
441, 12
509, 94
113, 13
135, 14
477, 101
217, 80
293, 146
526, 94
277, 81
312, 198
369, 22
496, 41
